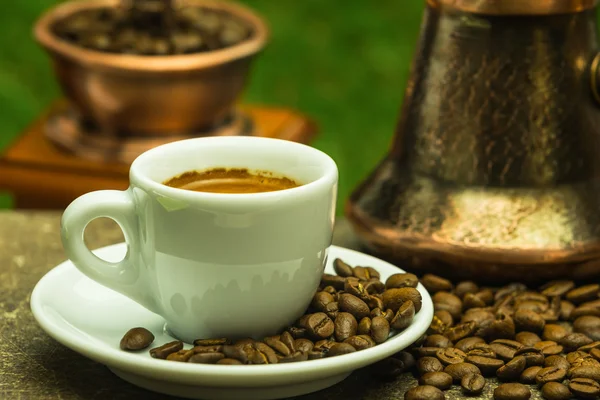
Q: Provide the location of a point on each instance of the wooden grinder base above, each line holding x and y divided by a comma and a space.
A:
41, 175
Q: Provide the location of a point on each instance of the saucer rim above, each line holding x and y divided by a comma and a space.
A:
236, 374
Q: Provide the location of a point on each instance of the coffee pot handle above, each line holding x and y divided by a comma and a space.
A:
595, 77
124, 276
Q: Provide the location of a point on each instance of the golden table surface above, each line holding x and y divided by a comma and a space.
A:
34, 366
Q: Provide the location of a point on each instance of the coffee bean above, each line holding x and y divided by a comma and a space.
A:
429, 364
554, 332
354, 305
181, 355
208, 349
287, 339
557, 288
320, 300
595, 353
263, 354
403, 280
482, 317
458, 371
532, 356
404, 316
162, 352
550, 374
436, 326
511, 289
573, 356
472, 300
294, 357
424, 392
487, 366
557, 361
585, 362
297, 332
332, 310
589, 326
482, 350
319, 325
341, 268
566, 308
573, 341
229, 361
360, 342
448, 302
407, 359
529, 374
277, 345
450, 356
380, 329
136, 339
583, 293
549, 348
235, 352
503, 327
528, 339
584, 388
591, 372
394, 298
555, 391
438, 341
364, 326
345, 325
512, 369
467, 344
303, 345
376, 312
526, 320
505, 349
466, 287
512, 391
339, 349
356, 288
472, 384
434, 283
460, 331
440, 380
426, 351
333, 280
361, 273
583, 311
445, 317
206, 358
317, 354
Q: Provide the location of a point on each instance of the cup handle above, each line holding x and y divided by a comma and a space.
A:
123, 276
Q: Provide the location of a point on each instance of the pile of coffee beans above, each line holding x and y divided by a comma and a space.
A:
351, 311
549, 338
153, 27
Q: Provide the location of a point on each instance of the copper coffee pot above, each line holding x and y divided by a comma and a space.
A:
494, 171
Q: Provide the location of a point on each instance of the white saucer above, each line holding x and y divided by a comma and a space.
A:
91, 319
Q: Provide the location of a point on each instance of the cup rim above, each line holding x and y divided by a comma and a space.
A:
328, 177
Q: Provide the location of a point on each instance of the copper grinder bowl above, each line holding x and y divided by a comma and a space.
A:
151, 95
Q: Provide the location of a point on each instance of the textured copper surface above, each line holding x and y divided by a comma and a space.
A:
517, 7
495, 168
34, 366
66, 129
154, 95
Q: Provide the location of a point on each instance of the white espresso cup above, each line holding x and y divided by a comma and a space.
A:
214, 264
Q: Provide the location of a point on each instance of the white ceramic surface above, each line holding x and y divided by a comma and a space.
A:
215, 264
91, 319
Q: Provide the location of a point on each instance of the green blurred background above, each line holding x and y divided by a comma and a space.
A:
344, 63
